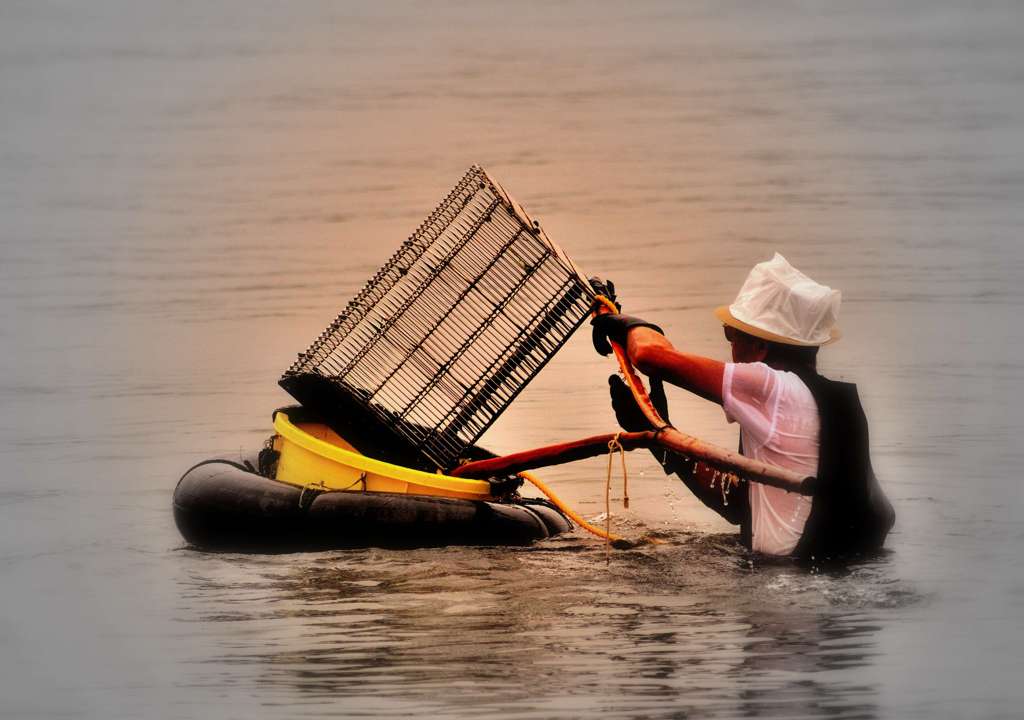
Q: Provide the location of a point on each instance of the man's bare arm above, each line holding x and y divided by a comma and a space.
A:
652, 354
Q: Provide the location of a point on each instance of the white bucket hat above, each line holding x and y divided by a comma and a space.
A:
779, 303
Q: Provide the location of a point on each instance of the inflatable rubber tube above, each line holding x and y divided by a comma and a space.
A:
220, 505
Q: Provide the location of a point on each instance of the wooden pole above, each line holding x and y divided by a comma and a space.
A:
668, 438
551, 455
749, 468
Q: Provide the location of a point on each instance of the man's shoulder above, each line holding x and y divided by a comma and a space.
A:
838, 399
836, 388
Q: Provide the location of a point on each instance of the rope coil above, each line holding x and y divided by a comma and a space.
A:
317, 487
614, 446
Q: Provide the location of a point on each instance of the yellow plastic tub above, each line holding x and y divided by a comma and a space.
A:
313, 455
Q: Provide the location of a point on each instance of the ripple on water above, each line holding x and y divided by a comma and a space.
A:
466, 631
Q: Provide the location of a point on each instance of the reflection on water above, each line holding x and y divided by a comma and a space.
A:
695, 627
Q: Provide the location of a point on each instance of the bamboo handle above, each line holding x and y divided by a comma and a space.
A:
668, 439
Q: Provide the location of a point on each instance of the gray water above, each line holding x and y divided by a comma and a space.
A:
190, 192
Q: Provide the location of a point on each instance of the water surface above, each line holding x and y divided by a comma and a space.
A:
190, 193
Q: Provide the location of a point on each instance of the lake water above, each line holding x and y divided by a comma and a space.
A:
191, 192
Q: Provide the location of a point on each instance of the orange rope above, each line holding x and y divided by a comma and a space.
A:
643, 399
613, 446
567, 510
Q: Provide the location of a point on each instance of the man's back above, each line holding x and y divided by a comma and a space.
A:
779, 424
850, 513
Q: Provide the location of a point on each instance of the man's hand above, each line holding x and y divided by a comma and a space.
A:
605, 287
616, 328
631, 418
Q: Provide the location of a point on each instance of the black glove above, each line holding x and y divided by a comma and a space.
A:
616, 327
606, 288
631, 418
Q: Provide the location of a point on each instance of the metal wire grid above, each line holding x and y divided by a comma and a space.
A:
453, 327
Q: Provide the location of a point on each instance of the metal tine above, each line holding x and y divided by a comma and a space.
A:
513, 310
493, 302
488, 381
509, 305
482, 406
431, 278
463, 387
445, 374
530, 259
391, 352
322, 345
543, 343
501, 278
470, 261
469, 247
389, 275
490, 302
467, 342
497, 337
505, 307
373, 291
405, 384
503, 394
444, 381
507, 337
407, 292
384, 349
365, 334
397, 400
442, 339
535, 239
416, 358
416, 320
504, 316
401, 337
430, 392
491, 379
485, 310
409, 325
457, 386
385, 355
469, 352
475, 263
454, 369
405, 254
538, 281
518, 234
399, 330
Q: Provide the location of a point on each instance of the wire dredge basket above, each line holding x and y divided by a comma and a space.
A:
445, 336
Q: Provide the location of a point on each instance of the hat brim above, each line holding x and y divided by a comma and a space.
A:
725, 315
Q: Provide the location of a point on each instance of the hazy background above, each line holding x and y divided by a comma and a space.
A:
191, 191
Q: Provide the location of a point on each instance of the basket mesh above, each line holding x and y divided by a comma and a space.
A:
447, 333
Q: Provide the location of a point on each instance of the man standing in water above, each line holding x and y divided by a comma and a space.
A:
789, 415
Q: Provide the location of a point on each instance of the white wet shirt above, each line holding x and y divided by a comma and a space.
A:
779, 424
